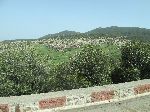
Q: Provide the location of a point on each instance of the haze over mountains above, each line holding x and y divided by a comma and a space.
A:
132, 33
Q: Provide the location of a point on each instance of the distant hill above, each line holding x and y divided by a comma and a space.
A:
132, 33
128, 32
66, 32
62, 34
19, 40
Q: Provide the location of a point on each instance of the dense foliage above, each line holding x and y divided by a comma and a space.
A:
92, 64
90, 67
28, 67
21, 73
132, 33
135, 63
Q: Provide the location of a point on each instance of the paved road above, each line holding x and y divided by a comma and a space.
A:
139, 104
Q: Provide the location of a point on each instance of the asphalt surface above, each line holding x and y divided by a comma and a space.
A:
139, 104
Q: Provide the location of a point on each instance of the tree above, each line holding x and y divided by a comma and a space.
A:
21, 73
66, 79
135, 63
137, 55
89, 67
92, 65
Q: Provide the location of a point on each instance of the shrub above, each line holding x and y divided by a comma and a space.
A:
89, 67
120, 75
135, 54
67, 79
21, 73
92, 65
135, 63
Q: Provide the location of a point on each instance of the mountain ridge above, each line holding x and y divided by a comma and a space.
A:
132, 33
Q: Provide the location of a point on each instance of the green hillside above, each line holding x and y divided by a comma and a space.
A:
69, 60
132, 33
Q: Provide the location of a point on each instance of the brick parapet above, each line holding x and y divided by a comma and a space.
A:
71, 98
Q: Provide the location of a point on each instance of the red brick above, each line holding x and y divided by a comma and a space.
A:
102, 95
142, 89
52, 102
4, 107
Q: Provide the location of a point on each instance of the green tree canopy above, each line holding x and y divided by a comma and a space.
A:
21, 73
93, 65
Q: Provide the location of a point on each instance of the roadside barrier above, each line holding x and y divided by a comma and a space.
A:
71, 98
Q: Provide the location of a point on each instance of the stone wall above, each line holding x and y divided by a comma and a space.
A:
72, 98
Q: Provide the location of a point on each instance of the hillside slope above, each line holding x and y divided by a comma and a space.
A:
128, 32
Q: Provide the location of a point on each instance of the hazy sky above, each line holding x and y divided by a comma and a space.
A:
36, 18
